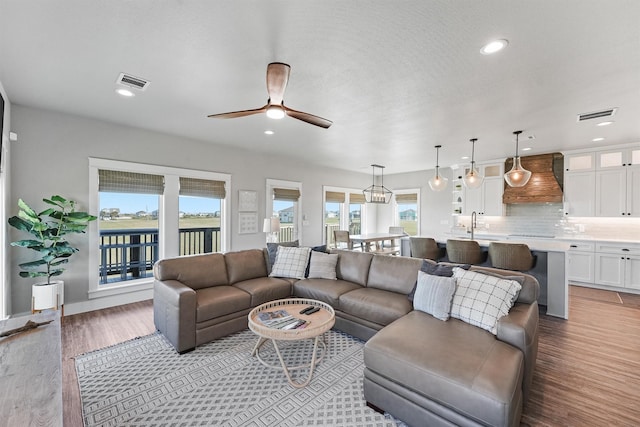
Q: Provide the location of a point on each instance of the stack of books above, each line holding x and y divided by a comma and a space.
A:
281, 319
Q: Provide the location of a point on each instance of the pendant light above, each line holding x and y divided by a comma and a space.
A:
473, 179
517, 176
437, 182
377, 193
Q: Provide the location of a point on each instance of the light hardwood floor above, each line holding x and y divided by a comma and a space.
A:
587, 372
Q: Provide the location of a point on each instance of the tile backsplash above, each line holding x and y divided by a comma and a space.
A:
547, 220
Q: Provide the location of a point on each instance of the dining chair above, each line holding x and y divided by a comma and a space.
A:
465, 252
425, 248
511, 256
342, 237
395, 243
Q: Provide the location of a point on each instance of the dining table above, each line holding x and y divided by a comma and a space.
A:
378, 238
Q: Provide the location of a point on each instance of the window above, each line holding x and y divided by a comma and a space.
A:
148, 213
407, 213
284, 203
343, 210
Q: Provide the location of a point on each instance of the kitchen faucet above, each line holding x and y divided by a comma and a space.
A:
474, 223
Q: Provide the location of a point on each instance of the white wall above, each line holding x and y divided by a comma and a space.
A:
435, 207
52, 154
5, 294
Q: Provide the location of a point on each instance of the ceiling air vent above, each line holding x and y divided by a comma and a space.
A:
597, 114
132, 81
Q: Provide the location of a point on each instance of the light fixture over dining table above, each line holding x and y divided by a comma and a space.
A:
377, 193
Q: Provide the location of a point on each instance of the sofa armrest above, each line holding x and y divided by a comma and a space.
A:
520, 329
174, 313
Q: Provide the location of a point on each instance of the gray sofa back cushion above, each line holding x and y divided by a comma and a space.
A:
245, 265
530, 287
392, 273
195, 271
353, 266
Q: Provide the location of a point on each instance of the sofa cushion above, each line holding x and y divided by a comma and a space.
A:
434, 294
245, 265
452, 363
220, 300
375, 305
290, 262
194, 271
481, 299
322, 266
265, 289
324, 290
353, 266
394, 274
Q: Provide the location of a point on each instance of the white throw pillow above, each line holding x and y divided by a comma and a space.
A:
323, 266
481, 300
290, 262
433, 295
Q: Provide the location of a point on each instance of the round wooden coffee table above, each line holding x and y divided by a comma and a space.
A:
319, 323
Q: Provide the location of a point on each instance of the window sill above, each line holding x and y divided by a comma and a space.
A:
121, 288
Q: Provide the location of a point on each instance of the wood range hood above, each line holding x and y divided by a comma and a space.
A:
545, 185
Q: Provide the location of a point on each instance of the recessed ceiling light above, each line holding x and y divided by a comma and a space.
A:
526, 149
493, 47
597, 139
464, 157
124, 92
604, 123
268, 132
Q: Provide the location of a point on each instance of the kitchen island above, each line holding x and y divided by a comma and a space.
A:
550, 268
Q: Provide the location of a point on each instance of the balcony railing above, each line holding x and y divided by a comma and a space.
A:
129, 254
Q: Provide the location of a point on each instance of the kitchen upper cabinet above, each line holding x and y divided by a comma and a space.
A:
486, 200
579, 162
579, 193
618, 183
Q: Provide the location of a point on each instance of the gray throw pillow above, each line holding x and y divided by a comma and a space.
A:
434, 295
272, 250
436, 270
290, 262
322, 266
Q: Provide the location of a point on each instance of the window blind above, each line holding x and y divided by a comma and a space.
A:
407, 198
334, 197
202, 188
356, 198
286, 194
111, 181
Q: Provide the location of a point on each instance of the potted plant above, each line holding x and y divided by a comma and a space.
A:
48, 230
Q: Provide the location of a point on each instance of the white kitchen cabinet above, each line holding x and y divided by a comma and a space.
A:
618, 183
618, 265
579, 193
581, 257
581, 162
486, 200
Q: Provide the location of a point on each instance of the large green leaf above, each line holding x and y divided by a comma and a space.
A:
26, 209
33, 274
31, 244
32, 264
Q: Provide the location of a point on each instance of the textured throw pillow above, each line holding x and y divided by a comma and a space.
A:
272, 250
519, 279
434, 294
321, 248
436, 270
322, 266
290, 262
481, 299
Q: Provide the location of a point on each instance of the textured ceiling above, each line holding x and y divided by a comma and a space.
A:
396, 78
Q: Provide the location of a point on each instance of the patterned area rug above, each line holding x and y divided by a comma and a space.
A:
144, 382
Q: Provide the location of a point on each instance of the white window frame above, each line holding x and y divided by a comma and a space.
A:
396, 211
168, 226
292, 185
344, 208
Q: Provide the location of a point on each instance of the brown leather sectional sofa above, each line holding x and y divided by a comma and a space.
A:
420, 369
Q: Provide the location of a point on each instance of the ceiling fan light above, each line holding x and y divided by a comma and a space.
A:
275, 112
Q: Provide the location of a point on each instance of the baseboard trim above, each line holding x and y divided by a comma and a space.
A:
106, 302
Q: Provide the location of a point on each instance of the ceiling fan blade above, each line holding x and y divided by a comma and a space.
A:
309, 118
277, 79
242, 113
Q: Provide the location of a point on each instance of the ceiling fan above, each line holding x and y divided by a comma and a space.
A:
277, 78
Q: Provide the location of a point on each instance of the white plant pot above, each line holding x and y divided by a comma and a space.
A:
45, 296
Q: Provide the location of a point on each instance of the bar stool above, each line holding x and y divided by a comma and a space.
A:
464, 252
425, 248
511, 256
